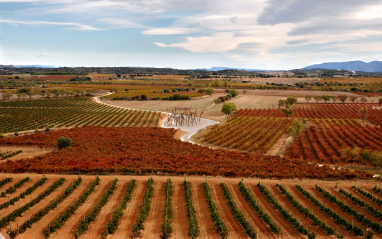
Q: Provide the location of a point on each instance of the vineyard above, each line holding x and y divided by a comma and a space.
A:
55, 206
324, 141
69, 112
252, 134
330, 111
142, 150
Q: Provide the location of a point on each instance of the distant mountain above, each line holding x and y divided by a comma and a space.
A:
219, 68
38, 66
374, 66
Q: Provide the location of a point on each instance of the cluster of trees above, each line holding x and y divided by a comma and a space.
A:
25, 92
208, 91
341, 98
287, 104
231, 94
358, 155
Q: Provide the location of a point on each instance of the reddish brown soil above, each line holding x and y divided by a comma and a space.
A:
206, 225
180, 222
154, 220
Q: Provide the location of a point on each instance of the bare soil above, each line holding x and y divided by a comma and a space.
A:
28, 152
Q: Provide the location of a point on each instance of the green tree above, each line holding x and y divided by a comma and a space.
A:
342, 98
228, 108
291, 100
376, 158
281, 103
317, 98
296, 128
63, 142
209, 91
325, 98
308, 98
234, 93
225, 83
287, 112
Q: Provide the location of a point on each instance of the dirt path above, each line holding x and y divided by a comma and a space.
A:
154, 220
286, 230
85, 208
276, 149
131, 213
250, 214
235, 230
38, 227
180, 222
98, 226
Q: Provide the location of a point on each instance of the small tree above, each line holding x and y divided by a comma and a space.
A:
144, 97
209, 91
334, 99
228, 108
287, 112
225, 83
64, 142
281, 103
363, 100
376, 158
291, 100
325, 98
296, 128
353, 98
317, 98
234, 93
342, 98
308, 98
363, 113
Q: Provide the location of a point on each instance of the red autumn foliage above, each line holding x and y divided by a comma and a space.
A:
154, 150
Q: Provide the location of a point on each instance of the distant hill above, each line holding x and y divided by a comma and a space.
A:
219, 68
38, 66
374, 66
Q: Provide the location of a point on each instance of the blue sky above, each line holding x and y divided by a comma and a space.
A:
257, 34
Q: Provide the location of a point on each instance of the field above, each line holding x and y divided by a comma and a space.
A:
139, 150
69, 112
56, 207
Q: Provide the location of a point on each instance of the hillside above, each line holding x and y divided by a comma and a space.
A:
374, 66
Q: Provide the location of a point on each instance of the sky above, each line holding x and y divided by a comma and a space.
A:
189, 34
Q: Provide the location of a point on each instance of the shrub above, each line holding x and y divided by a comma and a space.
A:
64, 142
291, 100
228, 108
144, 97
234, 93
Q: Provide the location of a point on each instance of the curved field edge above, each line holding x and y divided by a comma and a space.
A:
100, 150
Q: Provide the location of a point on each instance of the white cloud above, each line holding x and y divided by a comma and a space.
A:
167, 31
46, 54
75, 26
